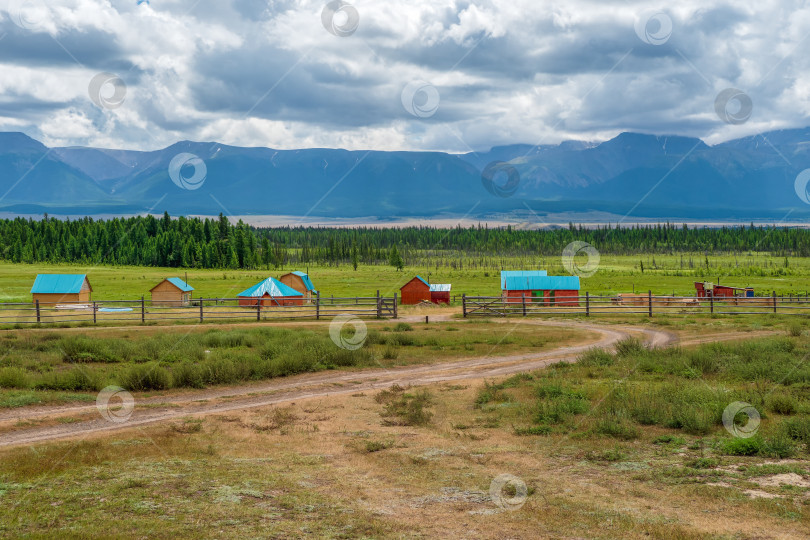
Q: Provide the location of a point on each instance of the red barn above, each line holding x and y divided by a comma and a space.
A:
415, 291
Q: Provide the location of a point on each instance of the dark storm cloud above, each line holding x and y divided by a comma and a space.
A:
89, 47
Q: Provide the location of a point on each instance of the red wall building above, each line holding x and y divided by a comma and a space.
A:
415, 291
537, 287
440, 293
549, 297
418, 290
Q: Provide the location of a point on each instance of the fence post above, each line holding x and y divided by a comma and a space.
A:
396, 315
464, 304
38, 316
711, 302
318, 306
524, 304
649, 301
202, 301
774, 301
95, 309
259, 310
379, 305
143, 310
587, 304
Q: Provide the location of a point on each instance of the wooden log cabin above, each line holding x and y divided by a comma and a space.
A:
172, 292
51, 289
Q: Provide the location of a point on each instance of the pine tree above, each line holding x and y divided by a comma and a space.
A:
355, 255
394, 258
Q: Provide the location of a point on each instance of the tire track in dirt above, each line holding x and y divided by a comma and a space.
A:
303, 387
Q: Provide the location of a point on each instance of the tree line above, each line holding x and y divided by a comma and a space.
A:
217, 243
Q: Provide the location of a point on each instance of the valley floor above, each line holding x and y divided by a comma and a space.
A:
410, 451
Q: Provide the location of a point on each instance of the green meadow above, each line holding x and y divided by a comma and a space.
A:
663, 274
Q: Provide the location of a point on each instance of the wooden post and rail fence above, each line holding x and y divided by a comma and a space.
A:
641, 304
142, 311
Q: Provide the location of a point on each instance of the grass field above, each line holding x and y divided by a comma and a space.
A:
662, 274
625, 445
629, 444
58, 367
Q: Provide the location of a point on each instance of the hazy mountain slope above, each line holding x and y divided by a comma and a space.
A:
643, 175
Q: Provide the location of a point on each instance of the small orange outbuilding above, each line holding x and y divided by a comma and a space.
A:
171, 292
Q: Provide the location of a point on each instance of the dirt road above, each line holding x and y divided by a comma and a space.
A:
177, 405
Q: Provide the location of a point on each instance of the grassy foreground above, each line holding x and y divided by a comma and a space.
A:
62, 366
624, 445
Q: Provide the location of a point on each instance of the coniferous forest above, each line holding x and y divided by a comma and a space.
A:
218, 243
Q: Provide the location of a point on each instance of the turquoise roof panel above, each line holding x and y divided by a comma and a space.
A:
58, 283
520, 273
180, 284
307, 282
271, 287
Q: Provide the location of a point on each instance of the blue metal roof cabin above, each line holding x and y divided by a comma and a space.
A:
301, 282
305, 278
171, 292
55, 288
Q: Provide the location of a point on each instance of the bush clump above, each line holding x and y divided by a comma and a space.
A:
782, 403
403, 327
403, 408
596, 358
616, 426
13, 377
149, 376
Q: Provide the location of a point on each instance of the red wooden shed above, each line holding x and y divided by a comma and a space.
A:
440, 293
415, 291
722, 291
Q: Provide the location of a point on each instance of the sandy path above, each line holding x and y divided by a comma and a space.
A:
218, 400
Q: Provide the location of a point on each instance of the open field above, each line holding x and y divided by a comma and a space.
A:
663, 274
270, 430
616, 445
65, 366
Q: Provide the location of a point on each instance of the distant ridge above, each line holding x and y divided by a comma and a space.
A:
635, 175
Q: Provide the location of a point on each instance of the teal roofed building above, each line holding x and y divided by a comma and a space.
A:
539, 287
61, 288
301, 282
171, 292
270, 292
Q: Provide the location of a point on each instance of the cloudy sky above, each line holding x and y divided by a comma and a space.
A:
449, 75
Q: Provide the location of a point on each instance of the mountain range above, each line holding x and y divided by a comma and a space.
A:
634, 175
